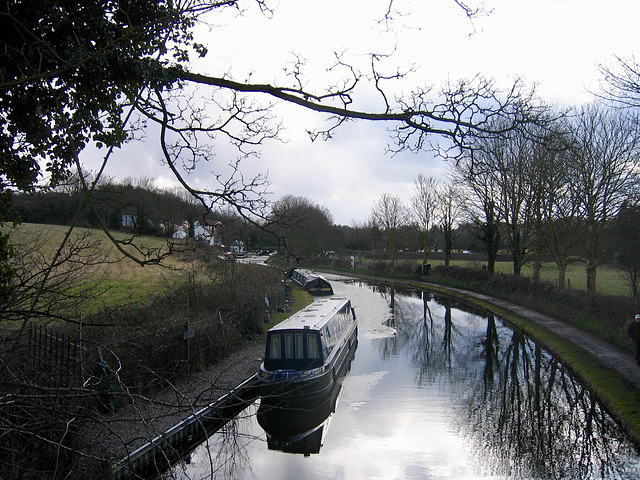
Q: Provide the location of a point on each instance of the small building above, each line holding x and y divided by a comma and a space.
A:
208, 233
238, 246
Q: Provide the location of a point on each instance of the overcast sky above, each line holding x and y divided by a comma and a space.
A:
556, 44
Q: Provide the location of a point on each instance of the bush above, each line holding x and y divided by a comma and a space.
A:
146, 343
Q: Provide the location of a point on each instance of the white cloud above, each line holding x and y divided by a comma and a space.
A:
554, 43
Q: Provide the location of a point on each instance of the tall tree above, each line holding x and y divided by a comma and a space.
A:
511, 159
448, 212
304, 228
627, 234
424, 204
481, 204
603, 163
555, 211
390, 214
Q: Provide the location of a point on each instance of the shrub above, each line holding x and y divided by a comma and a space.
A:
146, 342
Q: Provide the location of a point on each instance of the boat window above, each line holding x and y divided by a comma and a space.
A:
288, 345
274, 347
299, 346
312, 346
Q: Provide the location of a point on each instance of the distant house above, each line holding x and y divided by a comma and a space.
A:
181, 233
128, 220
238, 246
208, 233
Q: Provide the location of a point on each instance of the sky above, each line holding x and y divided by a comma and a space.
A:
555, 44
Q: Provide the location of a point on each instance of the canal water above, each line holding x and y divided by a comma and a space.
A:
435, 390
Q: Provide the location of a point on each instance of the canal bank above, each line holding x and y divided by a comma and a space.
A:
610, 372
118, 434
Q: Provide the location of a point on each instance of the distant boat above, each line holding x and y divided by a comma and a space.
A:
305, 353
312, 282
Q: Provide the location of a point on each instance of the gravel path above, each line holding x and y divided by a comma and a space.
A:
118, 434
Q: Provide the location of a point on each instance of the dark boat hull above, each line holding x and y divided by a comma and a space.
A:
312, 283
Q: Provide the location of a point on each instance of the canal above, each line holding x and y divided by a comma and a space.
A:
435, 390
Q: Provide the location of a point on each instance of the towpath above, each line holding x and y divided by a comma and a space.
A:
609, 354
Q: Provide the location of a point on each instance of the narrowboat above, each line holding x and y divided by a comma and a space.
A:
299, 426
305, 353
312, 282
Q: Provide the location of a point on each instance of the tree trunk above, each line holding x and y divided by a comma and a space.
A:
517, 267
448, 246
591, 276
537, 259
425, 256
562, 272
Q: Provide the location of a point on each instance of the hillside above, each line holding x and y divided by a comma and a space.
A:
119, 279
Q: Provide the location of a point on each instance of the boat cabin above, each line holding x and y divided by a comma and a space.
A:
307, 339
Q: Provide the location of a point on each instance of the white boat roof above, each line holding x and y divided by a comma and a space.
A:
313, 316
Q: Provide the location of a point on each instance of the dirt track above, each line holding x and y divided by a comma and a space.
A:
609, 354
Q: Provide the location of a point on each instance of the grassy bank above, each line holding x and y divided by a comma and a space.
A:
118, 280
610, 279
299, 299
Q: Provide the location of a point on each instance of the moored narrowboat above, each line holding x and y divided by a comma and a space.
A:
312, 282
306, 352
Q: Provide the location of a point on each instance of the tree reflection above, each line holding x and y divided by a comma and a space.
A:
519, 411
223, 455
523, 413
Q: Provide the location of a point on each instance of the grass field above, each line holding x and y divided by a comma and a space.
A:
124, 280
609, 280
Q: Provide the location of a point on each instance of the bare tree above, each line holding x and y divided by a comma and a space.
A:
449, 208
480, 193
424, 204
627, 233
602, 162
390, 215
621, 83
504, 163
555, 210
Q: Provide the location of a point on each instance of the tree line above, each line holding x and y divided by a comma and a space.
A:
559, 197
569, 191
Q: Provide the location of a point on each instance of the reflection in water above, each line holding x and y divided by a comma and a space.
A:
526, 416
224, 455
438, 390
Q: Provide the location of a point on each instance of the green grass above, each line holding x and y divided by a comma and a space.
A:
123, 280
609, 279
301, 298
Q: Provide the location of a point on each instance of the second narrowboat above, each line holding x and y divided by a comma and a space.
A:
312, 282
